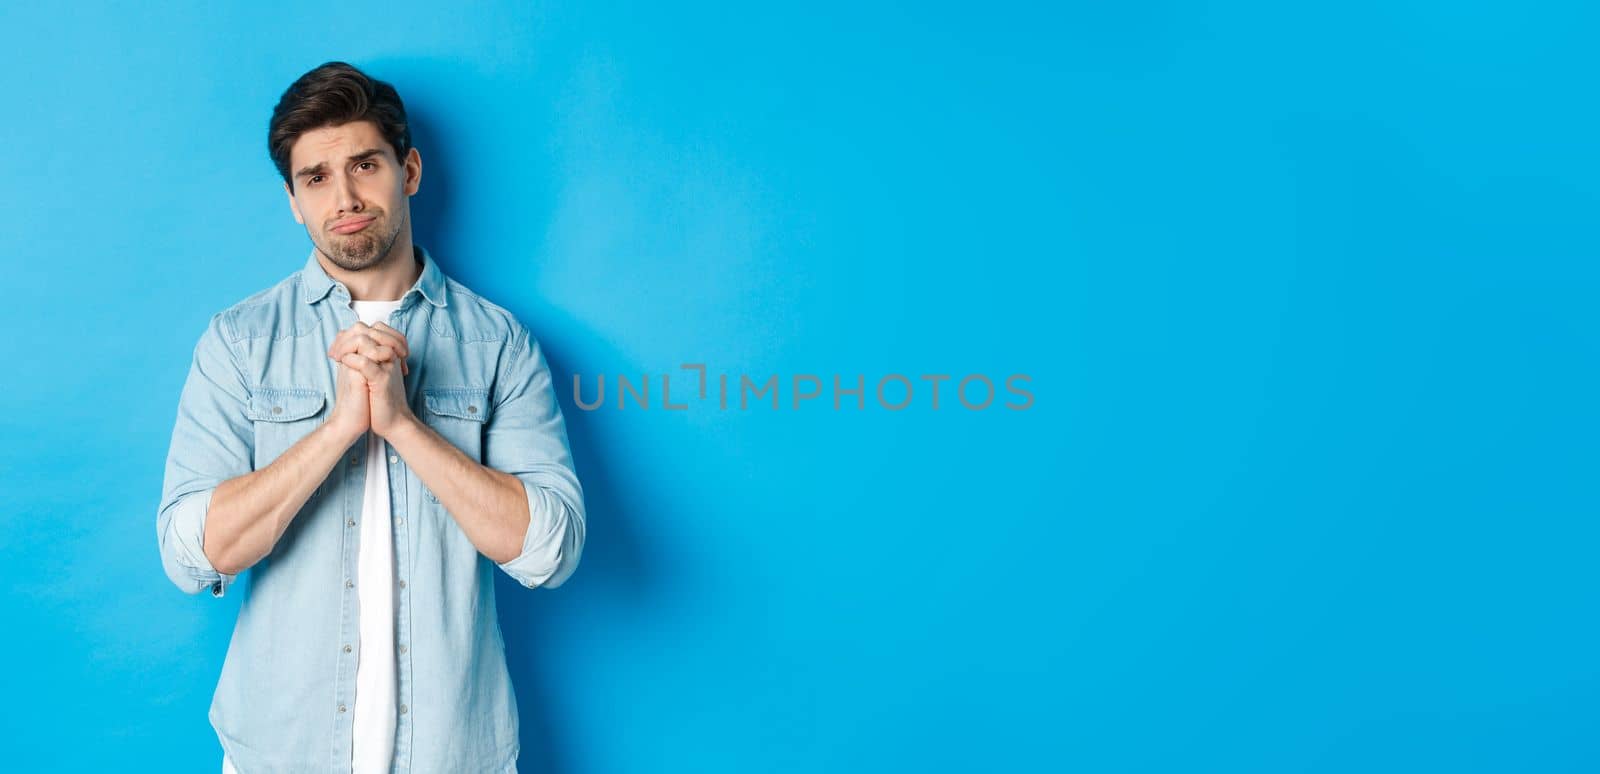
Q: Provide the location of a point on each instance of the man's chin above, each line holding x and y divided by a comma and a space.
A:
348, 262
352, 257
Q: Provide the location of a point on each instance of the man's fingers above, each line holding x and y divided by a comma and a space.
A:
379, 342
391, 337
384, 353
365, 367
398, 339
343, 336
371, 369
381, 333
378, 353
368, 348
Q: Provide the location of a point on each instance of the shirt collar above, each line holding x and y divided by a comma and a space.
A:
315, 282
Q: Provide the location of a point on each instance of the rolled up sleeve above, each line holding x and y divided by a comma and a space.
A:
212, 442
527, 438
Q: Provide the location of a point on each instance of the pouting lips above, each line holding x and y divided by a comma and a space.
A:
352, 226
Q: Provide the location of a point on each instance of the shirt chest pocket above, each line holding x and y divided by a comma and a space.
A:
459, 414
282, 416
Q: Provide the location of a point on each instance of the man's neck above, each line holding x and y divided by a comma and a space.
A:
386, 280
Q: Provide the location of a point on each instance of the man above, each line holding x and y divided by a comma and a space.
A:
370, 439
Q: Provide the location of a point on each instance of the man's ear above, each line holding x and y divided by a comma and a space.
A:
413, 171
292, 208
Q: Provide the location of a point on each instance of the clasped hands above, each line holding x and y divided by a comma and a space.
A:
370, 384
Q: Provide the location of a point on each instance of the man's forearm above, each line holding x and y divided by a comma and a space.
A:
250, 512
489, 505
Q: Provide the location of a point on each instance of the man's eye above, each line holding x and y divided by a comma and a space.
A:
368, 164
314, 179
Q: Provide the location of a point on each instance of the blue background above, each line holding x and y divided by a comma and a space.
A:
1306, 296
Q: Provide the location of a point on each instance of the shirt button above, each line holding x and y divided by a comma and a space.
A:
402, 584
402, 649
277, 409
472, 409
349, 584
393, 459
349, 522
341, 708
403, 709
347, 648
401, 520
354, 460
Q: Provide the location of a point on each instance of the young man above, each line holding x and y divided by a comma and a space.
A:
370, 439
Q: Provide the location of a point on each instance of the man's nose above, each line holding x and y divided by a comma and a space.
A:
348, 200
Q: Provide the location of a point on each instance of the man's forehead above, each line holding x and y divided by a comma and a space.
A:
335, 143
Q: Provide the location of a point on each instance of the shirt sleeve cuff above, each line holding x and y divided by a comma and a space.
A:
553, 542
184, 546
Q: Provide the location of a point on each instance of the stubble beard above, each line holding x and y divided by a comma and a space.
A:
361, 250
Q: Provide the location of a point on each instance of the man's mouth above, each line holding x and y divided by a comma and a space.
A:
352, 225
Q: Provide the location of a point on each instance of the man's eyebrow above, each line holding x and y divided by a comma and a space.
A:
322, 166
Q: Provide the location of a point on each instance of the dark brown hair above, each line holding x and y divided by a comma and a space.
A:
335, 93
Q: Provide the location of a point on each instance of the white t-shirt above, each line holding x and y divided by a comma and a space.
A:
375, 703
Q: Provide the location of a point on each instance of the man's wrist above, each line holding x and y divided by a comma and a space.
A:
341, 433
405, 431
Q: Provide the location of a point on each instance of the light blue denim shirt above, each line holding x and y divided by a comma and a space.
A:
261, 380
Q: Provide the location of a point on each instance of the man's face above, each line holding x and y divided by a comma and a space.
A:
351, 192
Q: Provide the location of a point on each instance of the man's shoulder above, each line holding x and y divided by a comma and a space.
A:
471, 317
266, 312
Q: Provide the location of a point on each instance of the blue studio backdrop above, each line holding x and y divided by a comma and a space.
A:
1301, 299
